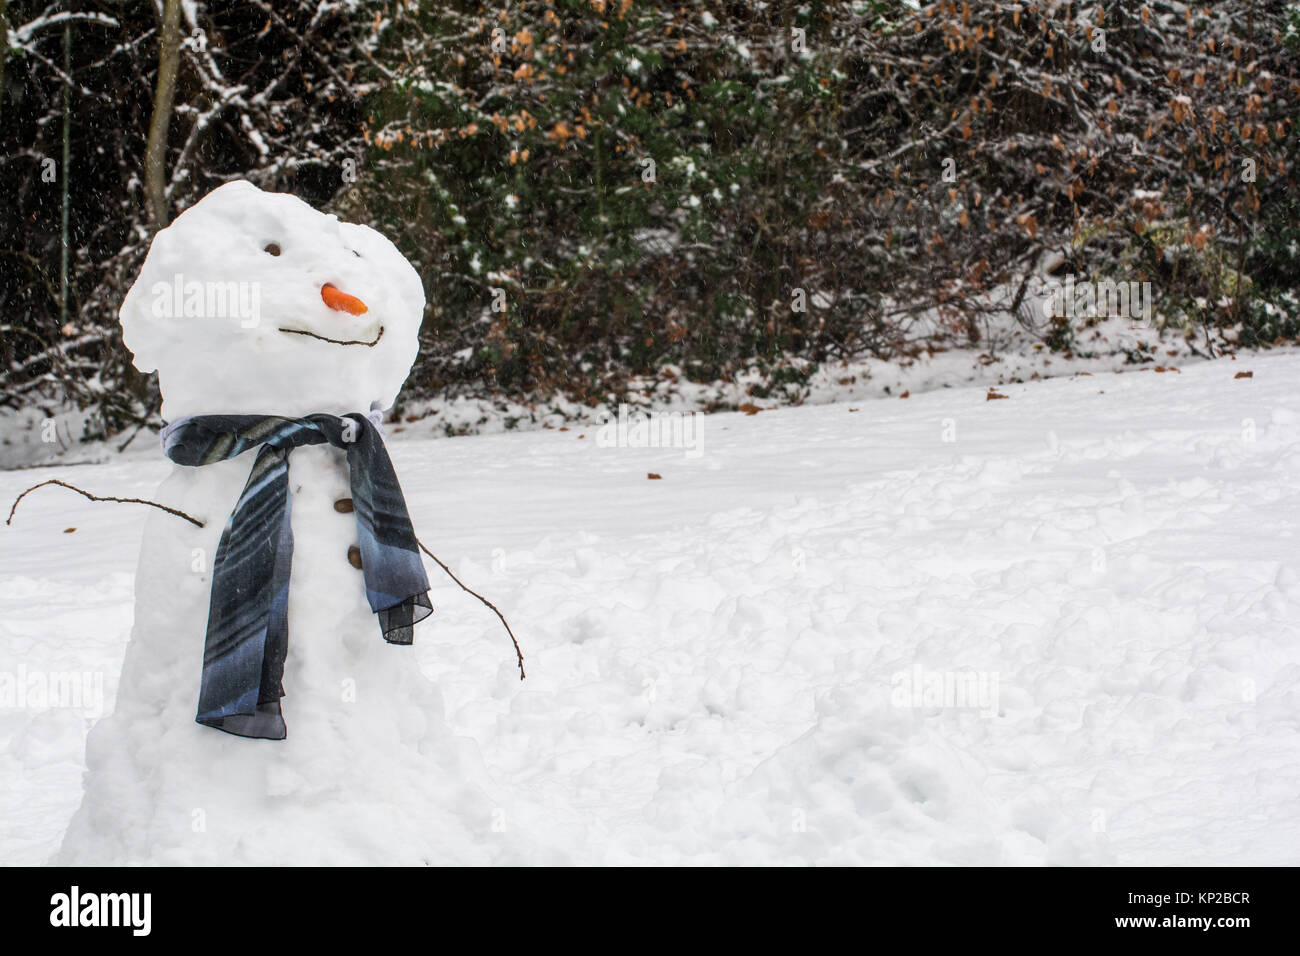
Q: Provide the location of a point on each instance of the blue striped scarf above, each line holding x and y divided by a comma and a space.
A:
248, 629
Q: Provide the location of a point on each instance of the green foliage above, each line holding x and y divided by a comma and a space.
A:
892, 168
640, 185
599, 189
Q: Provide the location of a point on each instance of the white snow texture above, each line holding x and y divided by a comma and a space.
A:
208, 309
1059, 628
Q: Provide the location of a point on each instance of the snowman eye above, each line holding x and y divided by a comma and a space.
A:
273, 248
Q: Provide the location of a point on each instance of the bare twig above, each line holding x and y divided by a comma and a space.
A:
81, 491
131, 438
197, 523
144, 420
489, 604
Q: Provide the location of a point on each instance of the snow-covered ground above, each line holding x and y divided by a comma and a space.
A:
1063, 627
1009, 354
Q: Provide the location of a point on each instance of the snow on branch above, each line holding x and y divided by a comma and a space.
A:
24, 34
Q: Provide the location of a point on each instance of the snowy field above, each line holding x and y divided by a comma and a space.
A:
1059, 628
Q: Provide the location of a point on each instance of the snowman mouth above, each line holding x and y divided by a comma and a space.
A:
368, 344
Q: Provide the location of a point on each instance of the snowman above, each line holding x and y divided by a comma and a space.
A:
268, 711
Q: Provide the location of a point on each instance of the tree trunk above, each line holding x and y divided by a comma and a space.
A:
65, 173
4, 49
155, 152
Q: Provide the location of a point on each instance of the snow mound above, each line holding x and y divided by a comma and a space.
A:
228, 289
368, 760
749, 660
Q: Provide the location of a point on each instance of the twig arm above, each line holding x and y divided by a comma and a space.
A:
518, 653
86, 494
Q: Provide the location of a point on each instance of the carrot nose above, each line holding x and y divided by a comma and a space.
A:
341, 301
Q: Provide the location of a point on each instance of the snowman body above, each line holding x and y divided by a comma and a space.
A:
367, 772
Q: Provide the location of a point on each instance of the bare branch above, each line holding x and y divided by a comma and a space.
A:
86, 494
518, 653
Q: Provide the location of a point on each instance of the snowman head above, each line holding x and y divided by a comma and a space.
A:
255, 303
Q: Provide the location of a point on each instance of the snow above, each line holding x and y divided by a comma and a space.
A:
744, 661
22, 35
367, 726
1009, 355
210, 306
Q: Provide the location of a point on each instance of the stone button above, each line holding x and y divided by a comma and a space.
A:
354, 557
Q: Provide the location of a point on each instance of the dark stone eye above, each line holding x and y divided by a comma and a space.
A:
273, 248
